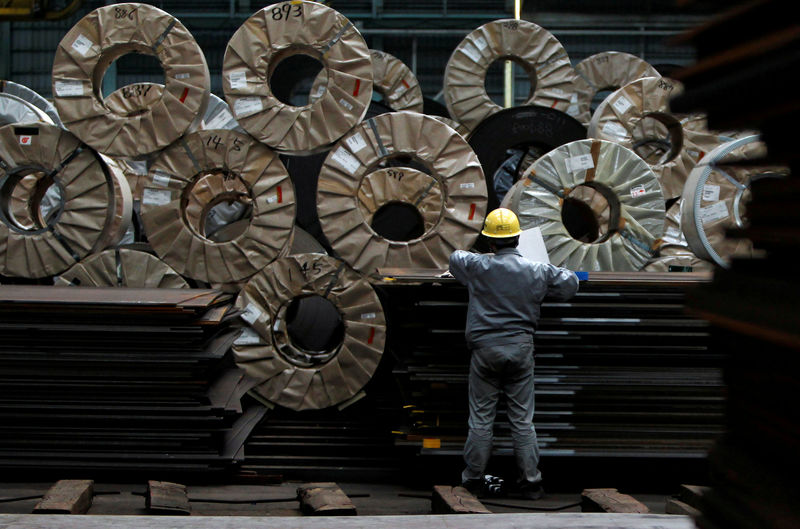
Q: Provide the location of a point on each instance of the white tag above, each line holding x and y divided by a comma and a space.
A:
156, 197
399, 91
368, 316
471, 52
638, 191
346, 104
139, 167
349, 162
356, 142
480, 42
251, 314
710, 193
247, 106
272, 199
248, 337
579, 163
25, 140
320, 91
160, 178
714, 212
612, 128
672, 233
182, 75
238, 79
470, 185
69, 88
622, 104
222, 118
82, 44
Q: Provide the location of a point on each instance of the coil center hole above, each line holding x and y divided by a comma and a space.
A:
32, 201
587, 213
131, 75
658, 138
292, 77
398, 221
523, 81
315, 326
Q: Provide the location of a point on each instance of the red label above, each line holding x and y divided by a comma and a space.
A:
371, 335
358, 87
554, 104
280, 195
471, 211
185, 93
25, 140
405, 84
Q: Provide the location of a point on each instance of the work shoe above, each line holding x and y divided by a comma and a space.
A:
531, 491
474, 486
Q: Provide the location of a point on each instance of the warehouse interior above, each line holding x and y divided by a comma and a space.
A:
225, 230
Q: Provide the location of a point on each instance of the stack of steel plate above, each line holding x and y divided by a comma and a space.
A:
119, 379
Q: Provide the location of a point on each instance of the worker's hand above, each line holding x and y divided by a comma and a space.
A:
446, 273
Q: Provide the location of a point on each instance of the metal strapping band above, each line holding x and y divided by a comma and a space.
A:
190, 154
64, 243
163, 36
333, 280
556, 191
335, 39
118, 261
74, 154
636, 242
425, 193
374, 128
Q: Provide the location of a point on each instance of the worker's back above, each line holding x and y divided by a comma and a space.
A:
505, 293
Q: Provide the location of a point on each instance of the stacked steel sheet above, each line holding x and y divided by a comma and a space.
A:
621, 370
108, 379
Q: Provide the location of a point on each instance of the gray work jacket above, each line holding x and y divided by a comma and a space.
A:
506, 292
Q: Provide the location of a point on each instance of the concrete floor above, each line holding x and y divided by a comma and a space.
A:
369, 499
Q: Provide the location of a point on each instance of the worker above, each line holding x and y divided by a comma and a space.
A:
505, 296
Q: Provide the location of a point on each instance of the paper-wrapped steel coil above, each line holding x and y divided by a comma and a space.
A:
94, 43
15, 110
291, 375
122, 267
610, 70
716, 195
86, 220
638, 117
391, 78
534, 48
524, 132
630, 218
275, 33
452, 172
31, 97
674, 253
200, 171
455, 125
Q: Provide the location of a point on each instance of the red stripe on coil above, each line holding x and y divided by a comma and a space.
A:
472, 211
405, 84
371, 335
280, 195
185, 93
358, 87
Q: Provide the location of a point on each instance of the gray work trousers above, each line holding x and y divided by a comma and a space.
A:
506, 368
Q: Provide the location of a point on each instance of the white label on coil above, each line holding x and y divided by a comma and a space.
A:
612, 128
247, 106
714, 212
356, 142
156, 197
222, 118
470, 185
25, 140
471, 52
251, 314
368, 316
579, 163
346, 104
139, 167
638, 191
400, 90
183, 75
248, 337
82, 44
348, 162
69, 88
672, 233
480, 42
238, 79
272, 199
320, 91
160, 178
622, 104
710, 193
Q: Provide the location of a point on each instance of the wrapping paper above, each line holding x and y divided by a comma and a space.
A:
636, 201
401, 184
120, 215
609, 70
288, 377
455, 125
8, 88
534, 48
204, 169
628, 115
279, 31
122, 267
716, 198
95, 42
88, 200
16, 110
455, 175
675, 251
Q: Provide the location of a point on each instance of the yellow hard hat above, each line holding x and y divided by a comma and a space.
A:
501, 223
